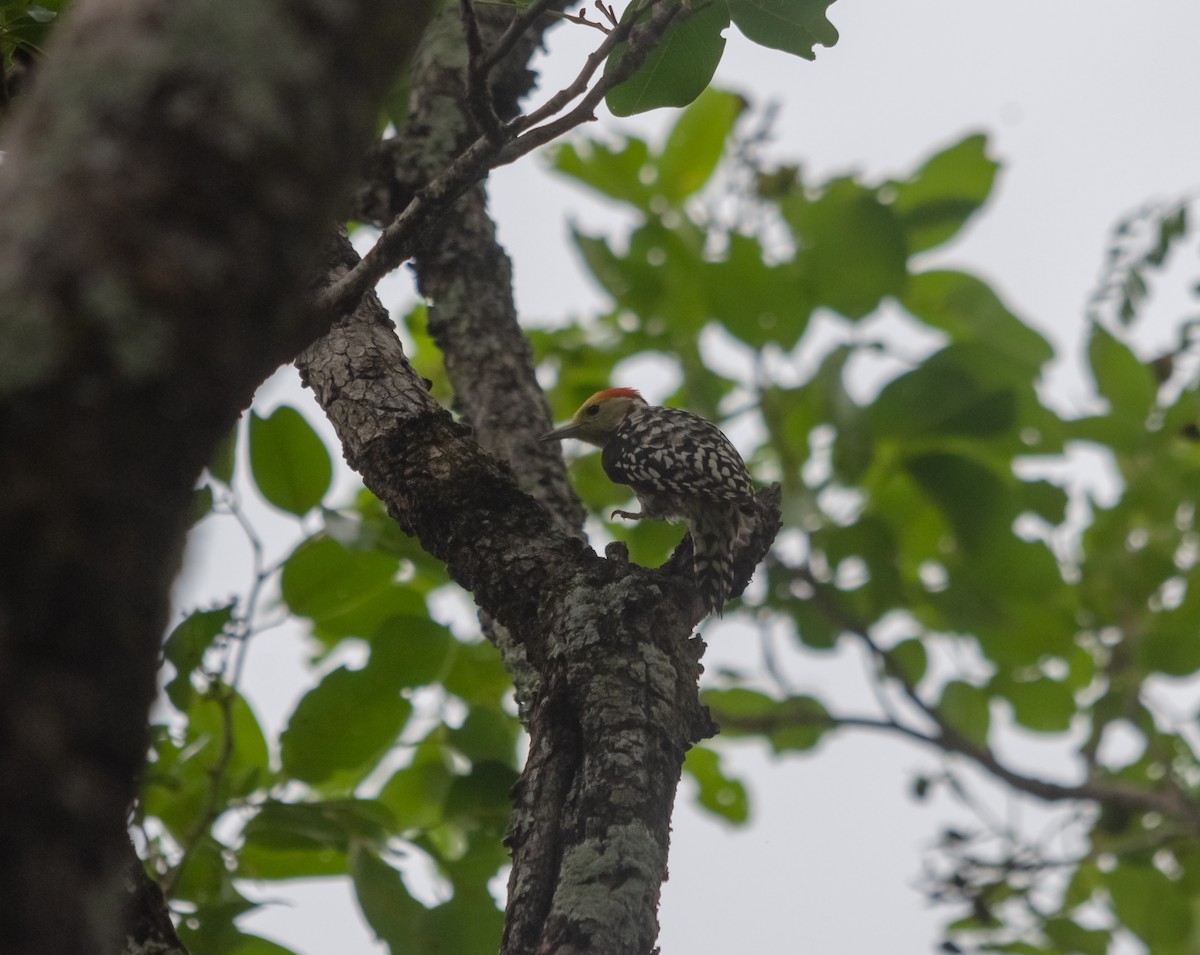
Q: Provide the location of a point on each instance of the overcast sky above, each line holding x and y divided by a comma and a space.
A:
1089, 108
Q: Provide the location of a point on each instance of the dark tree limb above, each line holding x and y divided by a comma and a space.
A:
610, 641
601, 651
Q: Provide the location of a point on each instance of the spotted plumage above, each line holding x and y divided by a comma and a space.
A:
680, 467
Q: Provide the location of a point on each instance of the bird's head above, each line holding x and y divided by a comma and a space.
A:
599, 417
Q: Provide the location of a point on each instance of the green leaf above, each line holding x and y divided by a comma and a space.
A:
616, 173
202, 504
255, 945
795, 724
1068, 936
678, 69
629, 281
744, 706
965, 708
1042, 705
220, 465
971, 496
968, 310
223, 747
851, 248
960, 390
794, 26
910, 659
344, 724
414, 651
476, 674
1150, 905
1045, 499
335, 824
1121, 377
939, 198
480, 799
803, 720
696, 142
756, 302
290, 463
417, 793
205, 878
394, 916
469, 924
396, 102
273, 864
310, 839
720, 795
323, 580
487, 734
186, 646
1170, 646
871, 540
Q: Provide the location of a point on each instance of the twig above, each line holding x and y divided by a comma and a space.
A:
479, 94
639, 48
515, 30
395, 243
640, 45
213, 805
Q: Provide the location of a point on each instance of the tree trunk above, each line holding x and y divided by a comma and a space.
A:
164, 191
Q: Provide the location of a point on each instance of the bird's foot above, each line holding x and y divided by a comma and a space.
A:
628, 515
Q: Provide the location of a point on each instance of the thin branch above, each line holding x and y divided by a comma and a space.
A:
641, 43
214, 805
516, 30
1170, 801
395, 243
582, 19
479, 94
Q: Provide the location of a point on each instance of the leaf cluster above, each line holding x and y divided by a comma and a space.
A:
936, 513
406, 752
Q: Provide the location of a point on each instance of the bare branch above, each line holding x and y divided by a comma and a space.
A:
516, 29
479, 95
395, 243
640, 45
1170, 801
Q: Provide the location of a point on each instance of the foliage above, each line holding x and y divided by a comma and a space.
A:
923, 522
927, 520
682, 65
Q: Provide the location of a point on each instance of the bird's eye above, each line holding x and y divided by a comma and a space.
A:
591, 410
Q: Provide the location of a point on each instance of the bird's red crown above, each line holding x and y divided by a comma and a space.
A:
616, 393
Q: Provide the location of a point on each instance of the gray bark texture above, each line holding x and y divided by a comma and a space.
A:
602, 650
611, 643
165, 190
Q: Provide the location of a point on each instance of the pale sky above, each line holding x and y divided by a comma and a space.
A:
1090, 109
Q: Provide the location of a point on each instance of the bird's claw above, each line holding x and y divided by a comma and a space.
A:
628, 515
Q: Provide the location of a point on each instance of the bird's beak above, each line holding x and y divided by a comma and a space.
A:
566, 431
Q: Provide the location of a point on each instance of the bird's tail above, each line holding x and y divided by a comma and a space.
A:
717, 533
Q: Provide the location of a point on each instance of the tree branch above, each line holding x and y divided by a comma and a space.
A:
610, 640
1169, 801
398, 240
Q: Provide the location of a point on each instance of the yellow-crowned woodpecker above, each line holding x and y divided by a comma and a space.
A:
681, 467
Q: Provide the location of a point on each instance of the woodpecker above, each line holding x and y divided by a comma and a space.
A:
681, 467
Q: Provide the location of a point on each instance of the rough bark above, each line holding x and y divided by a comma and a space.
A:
461, 267
611, 643
164, 191
601, 651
